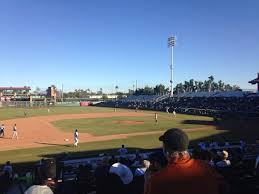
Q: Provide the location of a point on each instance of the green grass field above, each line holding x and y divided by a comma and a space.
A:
84, 149
226, 130
117, 125
12, 113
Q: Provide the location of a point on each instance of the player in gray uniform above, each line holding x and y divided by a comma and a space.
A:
156, 117
2, 128
15, 134
76, 137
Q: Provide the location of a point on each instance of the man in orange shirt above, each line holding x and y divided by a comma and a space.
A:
183, 174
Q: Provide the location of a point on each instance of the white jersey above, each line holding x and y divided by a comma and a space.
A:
76, 135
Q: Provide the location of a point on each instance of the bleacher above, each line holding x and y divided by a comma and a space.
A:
224, 94
241, 174
141, 98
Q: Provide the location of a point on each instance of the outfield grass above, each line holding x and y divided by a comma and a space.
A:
138, 142
12, 113
115, 125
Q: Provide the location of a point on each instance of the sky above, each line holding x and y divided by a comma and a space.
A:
103, 43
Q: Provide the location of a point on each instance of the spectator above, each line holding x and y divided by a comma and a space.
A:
113, 160
123, 172
123, 150
8, 168
42, 188
183, 174
214, 145
101, 175
4, 181
227, 144
157, 162
85, 179
115, 185
141, 171
138, 160
202, 145
224, 162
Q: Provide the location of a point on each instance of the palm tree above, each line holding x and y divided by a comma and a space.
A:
191, 85
200, 86
221, 85
210, 81
196, 86
186, 86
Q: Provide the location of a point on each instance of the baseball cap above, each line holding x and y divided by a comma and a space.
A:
176, 139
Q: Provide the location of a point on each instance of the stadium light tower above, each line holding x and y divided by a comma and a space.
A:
171, 43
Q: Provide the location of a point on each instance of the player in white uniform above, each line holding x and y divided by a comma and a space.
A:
15, 134
156, 117
76, 137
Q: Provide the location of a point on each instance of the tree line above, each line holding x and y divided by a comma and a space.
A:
189, 86
204, 86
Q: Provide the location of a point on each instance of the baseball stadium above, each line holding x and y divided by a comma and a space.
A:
89, 106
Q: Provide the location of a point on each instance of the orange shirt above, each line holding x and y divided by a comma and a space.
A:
186, 177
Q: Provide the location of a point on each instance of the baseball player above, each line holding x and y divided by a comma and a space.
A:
167, 109
156, 117
76, 137
174, 113
2, 128
15, 134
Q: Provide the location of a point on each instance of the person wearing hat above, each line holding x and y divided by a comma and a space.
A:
123, 172
183, 174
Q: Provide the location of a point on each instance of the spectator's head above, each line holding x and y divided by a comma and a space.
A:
146, 163
175, 143
223, 155
122, 146
8, 163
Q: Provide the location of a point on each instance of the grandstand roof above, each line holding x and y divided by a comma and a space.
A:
255, 81
16, 88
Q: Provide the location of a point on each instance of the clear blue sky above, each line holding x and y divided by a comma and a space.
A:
94, 43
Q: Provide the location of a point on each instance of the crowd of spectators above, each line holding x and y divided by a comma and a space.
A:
209, 167
244, 104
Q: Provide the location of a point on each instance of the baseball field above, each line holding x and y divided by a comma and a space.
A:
44, 132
